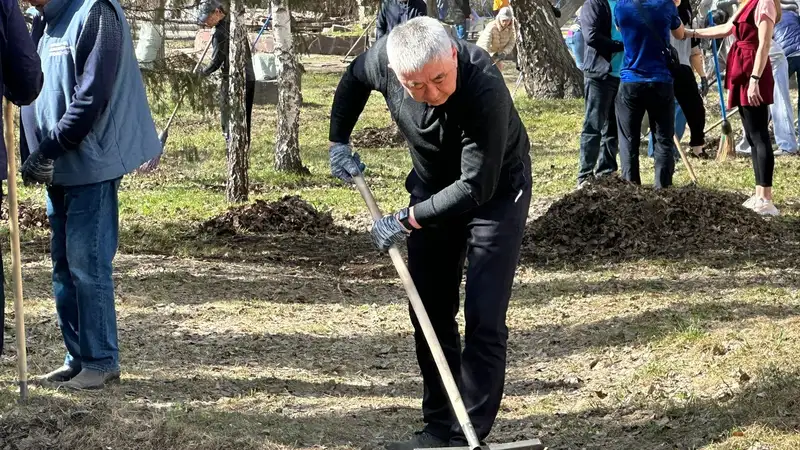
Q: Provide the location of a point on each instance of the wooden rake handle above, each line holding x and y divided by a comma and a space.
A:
685, 159
16, 258
425, 323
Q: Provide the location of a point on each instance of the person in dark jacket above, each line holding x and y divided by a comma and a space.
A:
212, 14
602, 62
787, 35
21, 78
456, 13
395, 12
470, 189
90, 126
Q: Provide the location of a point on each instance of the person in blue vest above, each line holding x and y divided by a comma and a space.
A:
395, 12
90, 126
21, 79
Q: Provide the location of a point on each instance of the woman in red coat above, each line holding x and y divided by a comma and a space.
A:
749, 82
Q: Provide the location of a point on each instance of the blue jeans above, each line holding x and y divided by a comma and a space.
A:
84, 223
794, 68
576, 45
680, 128
599, 142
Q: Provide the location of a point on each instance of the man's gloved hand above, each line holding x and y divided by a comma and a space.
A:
37, 169
704, 86
344, 163
499, 56
388, 231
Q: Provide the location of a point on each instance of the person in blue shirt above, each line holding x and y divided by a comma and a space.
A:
646, 84
21, 80
601, 68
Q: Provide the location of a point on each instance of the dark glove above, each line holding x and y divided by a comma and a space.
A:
703, 86
345, 164
37, 169
499, 56
388, 231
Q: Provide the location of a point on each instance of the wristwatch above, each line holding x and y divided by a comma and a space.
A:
405, 219
755, 77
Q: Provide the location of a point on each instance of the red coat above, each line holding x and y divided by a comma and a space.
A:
742, 57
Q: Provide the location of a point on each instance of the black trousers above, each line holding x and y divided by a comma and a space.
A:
688, 96
599, 143
633, 99
489, 238
756, 129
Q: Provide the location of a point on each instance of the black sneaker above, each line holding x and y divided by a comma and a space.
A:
421, 439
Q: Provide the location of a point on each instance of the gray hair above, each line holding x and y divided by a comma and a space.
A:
417, 42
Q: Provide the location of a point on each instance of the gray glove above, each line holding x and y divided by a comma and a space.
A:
499, 56
388, 231
344, 163
37, 169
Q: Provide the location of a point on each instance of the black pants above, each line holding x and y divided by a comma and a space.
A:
756, 129
688, 96
599, 143
633, 99
489, 238
249, 96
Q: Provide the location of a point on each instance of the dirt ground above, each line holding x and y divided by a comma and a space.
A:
311, 347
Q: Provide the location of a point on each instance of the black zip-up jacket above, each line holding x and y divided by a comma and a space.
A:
395, 12
596, 28
464, 152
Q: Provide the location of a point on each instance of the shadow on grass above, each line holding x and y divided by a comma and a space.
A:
88, 420
771, 402
551, 342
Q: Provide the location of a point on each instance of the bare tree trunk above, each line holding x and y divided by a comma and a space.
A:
548, 68
239, 142
287, 143
160, 24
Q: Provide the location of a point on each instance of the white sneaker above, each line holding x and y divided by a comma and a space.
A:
750, 203
765, 208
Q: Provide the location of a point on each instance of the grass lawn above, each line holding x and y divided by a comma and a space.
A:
291, 341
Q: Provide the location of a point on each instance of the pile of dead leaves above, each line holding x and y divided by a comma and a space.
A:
372, 137
30, 215
290, 214
614, 220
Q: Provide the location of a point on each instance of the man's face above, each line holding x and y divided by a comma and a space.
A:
39, 3
504, 23
435, 83
213, 18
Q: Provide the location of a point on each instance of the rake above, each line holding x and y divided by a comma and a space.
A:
16, 258
453, 394
725, 150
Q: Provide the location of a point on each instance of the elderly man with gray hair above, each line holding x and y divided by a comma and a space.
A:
470, 189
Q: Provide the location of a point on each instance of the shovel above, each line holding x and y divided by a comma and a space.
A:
449, 382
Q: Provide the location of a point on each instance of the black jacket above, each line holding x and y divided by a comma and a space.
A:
596, 26
220, 55
393, 13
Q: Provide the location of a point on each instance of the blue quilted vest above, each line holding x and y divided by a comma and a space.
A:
124, 136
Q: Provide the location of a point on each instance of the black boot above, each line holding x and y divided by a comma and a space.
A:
421, 439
